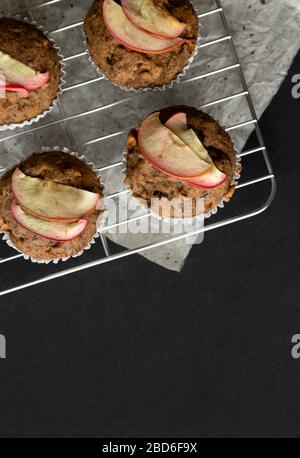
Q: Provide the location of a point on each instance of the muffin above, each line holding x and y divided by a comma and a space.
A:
180, 155
49, 205
141, 44
30, 72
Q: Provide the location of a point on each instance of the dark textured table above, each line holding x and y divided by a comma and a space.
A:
131, 349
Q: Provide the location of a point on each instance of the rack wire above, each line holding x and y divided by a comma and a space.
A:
105, 254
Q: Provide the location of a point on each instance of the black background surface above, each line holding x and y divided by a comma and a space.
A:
130, 349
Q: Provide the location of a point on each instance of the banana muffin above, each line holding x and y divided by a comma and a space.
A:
30, 72
142, 60
52, 168
148, 180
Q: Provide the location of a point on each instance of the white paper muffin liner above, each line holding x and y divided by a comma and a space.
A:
178, 78
99, 224
40, 116
193, 219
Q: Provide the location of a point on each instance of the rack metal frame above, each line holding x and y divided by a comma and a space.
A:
270, 177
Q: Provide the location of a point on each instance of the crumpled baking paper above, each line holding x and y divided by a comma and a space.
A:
266, 34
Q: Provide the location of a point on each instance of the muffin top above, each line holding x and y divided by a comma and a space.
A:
132, 69
63, 169
28, 45
146, 181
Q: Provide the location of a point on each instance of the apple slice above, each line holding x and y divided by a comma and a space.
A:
17, 73
167, 152
60, 232
21, 90
52, 201
124, 32
213, 178
178, 124
158, 21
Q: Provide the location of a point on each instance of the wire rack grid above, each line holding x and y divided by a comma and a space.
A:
67, 124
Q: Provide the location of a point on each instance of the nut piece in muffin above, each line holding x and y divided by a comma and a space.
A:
180, 154
49, 205
30, 72
126, 42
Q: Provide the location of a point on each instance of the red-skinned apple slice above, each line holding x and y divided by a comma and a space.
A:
126, 33
21, 90
213, 177
178, 124
51, 201
19, 74
166, 152
37, 81
60, 232
157, 21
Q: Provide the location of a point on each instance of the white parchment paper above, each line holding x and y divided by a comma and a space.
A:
266, 35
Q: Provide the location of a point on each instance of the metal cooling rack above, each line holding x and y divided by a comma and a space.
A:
107, 251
